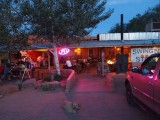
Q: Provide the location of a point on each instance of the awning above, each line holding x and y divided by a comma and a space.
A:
117, 43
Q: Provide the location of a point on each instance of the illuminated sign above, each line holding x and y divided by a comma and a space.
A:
64, 51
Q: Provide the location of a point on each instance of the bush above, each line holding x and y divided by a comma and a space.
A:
45, 87
47, 78
49, 86
57, 77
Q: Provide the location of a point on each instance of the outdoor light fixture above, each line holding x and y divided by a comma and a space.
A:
77, 50
110, 62
64, 51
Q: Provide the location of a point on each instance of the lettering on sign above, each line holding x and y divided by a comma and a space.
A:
64, 51
140, 54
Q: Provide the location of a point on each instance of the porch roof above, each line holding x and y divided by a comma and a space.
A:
92, 44
113, 43
109, 43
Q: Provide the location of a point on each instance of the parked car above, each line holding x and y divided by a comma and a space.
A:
143, 83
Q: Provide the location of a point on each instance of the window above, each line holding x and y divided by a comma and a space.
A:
150, 64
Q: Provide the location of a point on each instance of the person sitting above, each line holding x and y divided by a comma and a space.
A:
68, 63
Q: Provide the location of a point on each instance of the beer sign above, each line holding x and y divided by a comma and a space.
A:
64, 51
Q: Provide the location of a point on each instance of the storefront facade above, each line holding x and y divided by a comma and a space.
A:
106, 48
137, 47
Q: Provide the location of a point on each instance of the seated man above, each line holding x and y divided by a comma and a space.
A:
68, 63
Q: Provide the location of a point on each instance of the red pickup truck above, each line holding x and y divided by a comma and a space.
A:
143, 83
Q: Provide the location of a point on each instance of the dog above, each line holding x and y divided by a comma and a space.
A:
71, 107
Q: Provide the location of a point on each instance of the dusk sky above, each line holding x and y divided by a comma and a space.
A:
129, 9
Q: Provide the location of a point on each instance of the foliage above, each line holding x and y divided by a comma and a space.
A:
117, 28
57, 77
47, 86
13, 35
138, 23
64, 21
12, 32
47, 78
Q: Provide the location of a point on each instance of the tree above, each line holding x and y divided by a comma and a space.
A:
138, 23
117, 28
62, 22
12, 35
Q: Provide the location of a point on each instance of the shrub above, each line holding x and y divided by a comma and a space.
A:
57, 77
45, 87
49, 86
47, 78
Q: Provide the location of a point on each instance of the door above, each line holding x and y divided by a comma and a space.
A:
144, 82
143, 88
157, 93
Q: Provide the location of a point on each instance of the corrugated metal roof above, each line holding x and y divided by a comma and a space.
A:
108, 43
129, 36
113, 43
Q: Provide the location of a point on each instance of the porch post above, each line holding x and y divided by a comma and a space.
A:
49, 64
103, 58
122, 30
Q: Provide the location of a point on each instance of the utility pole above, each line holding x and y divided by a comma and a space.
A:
122, 32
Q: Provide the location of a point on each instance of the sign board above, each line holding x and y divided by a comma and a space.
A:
140, 54
64, 51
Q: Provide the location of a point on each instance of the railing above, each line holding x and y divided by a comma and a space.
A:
130, 36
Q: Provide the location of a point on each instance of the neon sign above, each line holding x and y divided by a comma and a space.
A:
64, 51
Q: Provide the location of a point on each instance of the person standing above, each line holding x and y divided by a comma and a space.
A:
2, 70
